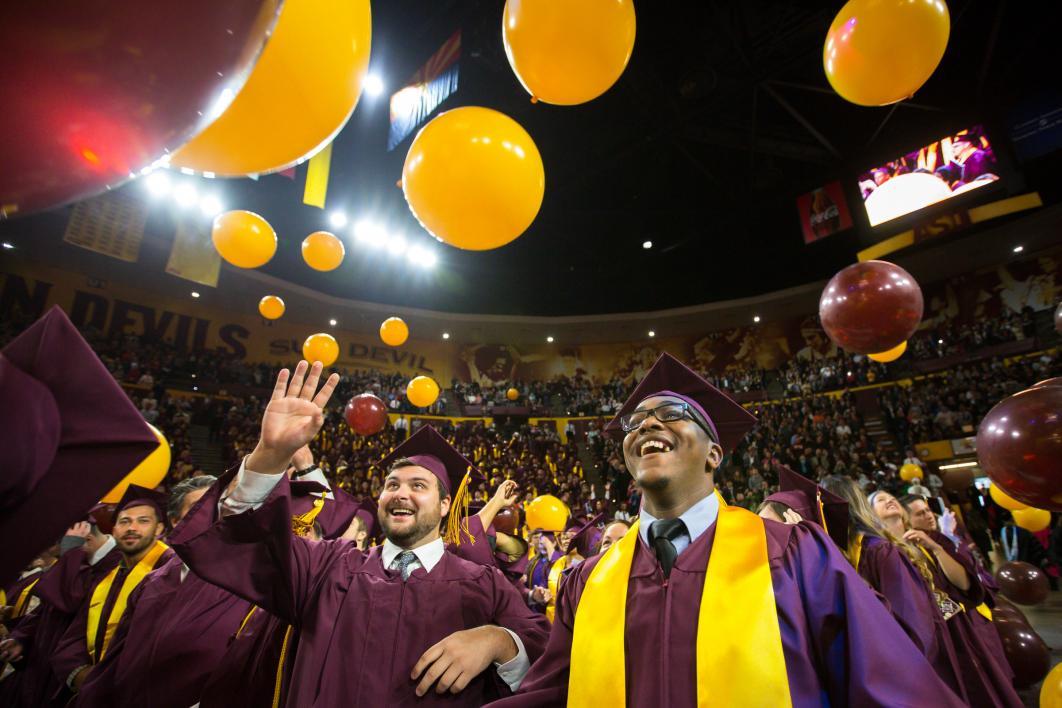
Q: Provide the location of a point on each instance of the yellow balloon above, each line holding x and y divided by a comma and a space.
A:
321, 347
910, 472
512, 394
1031, 519
1051, 690
890, 355
879, 52
323, 251
244, 239
422, 391
271, 307
298, 97
1005, 500
394, 332
474, 178
546, 512
148, 473
568, 52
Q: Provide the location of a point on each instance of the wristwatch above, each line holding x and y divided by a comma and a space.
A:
303, 473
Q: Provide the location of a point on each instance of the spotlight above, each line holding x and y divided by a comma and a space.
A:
211, 205
549, 339
158, 183
370, 234
195, 294
373, 85
652, 333
8, 245
1019, 249
396, 245
647, 245
332, 322
756, 318
446, 335
185, 194
337, 219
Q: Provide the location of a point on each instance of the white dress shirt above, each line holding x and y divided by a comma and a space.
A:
697, 518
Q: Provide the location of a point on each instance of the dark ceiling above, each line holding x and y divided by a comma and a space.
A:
721, 119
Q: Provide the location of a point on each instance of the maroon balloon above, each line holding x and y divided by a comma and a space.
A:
96, 90
871, 307
1023, 582
1008, 613
366, 414
506, 521
1019, 445
1026, 653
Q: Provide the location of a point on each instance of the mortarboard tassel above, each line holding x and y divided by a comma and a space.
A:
457, 520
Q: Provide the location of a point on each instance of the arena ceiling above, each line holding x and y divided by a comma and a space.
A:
721, 119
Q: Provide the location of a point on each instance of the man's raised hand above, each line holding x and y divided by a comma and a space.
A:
292, 418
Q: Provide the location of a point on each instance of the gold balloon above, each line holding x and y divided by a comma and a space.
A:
512, 394
890, 355
321, 347
568, 52
474, 178
323, 251
298, 97
910, 472
271, 307
546, 512
879, 52
1051, 690
1031, 519
149, 473
422, 391
244, 239
1005, 500
394, 332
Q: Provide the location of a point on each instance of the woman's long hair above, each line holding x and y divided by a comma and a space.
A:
863, 520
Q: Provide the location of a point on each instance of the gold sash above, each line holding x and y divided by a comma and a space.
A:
553, 584
20, 604
740, 661
99, 599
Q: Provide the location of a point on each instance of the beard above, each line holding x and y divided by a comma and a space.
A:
425, 522
132, 546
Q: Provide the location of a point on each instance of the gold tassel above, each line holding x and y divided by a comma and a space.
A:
822, 511
457, 520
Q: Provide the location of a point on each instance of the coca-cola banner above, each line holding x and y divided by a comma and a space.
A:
823, 212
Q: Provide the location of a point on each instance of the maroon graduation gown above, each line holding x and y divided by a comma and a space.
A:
171, 637
840, 644
72, 650
361, 627
62, 590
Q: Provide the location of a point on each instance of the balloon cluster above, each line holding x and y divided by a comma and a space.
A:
1026, 652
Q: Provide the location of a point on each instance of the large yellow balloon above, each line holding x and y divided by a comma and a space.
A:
1031, 519
568, 52
910, 472
271, 307
890, 355
394, 332
422, 391
244, 239
512, 394
321, 347
148, 473
474, 178
323, 251
879, 52
546, 512
1005, 500
1051, 690
298, 97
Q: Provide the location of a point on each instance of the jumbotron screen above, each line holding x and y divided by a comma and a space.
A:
928, 175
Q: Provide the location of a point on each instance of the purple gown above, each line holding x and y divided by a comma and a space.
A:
361, 628
840, 644
62, 590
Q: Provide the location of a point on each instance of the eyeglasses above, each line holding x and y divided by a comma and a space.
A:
667, 413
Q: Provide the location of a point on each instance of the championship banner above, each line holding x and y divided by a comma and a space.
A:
112, 224
823, 212
193, 256
316, 189
431, 85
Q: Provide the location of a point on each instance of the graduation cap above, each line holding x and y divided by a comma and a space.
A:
727, 421
135, 495
427, 449
77, 433
817, 505
367, 512
102, 515
587, 536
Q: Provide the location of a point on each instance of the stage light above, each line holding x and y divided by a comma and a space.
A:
396, 245
373, 85
8, 246
446, 335
211, 205
549, 340
158, 183
647, 245
1019, 249
369, 234
958, 465
940, 341
756, 318
332, 322
195, 294
185, 194
337, 219
652, 333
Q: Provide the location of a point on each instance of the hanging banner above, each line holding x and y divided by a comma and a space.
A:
431, 85
193, 256
112, 224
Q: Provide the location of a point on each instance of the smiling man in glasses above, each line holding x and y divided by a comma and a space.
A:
706, 604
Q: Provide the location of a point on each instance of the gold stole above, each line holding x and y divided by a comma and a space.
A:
740, 661
552, 582
20, 604
99, 599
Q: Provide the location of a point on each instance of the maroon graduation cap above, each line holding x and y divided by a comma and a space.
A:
587, 537
427, 449
102, 515
726, 419
77, 435
135, 495
817, 505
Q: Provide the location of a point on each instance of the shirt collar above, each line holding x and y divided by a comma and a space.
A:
429, 554
103, 550
697, 518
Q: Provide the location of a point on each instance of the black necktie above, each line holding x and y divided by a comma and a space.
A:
662, 535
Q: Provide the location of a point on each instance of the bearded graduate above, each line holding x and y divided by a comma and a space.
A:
405, 624
705, 604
